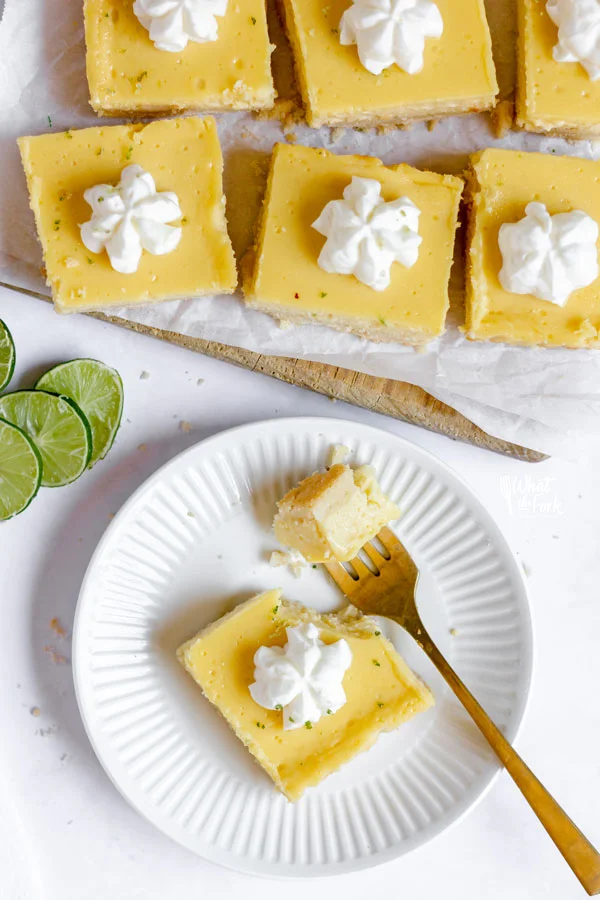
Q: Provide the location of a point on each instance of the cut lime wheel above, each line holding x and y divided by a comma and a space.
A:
98, 392
7, 355
20, 470
57, 427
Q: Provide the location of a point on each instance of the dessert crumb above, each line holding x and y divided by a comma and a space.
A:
338, 453
46, 732
336, 134
430, 124
144, 375
57, 628
200, 382
54, 656
291, 558
142, 447
185, 427
35, 711
453, 631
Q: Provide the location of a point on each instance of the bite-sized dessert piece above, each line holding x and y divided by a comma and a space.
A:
350, 243
376, 62
148, 57
558, 86
532, 258
330, 515
304, 692
130, 214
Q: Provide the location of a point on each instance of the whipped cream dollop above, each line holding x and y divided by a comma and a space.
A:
578, 24
391, 31
130, 218
172, 23
365, 235
303, 678
549, 256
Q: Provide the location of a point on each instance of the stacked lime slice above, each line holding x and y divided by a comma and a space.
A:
98, 392
50, 435
58, 429
20, 470
7, 356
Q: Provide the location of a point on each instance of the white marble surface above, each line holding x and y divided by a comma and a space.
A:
65, 833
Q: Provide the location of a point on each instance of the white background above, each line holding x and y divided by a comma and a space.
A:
64, 830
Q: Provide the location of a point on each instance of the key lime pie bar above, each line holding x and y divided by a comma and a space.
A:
147, 57
130, 214
533, 275
330, 515
559, 67
304, 692
375, 62
353, 244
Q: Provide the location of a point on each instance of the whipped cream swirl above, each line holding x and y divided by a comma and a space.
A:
365, 235
391, 31
303, 679
549, 256
130, 218
578, 24
172, 23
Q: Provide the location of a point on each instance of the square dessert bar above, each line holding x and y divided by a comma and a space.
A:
458, 74
501, 184
381, 691
331, 515
286, 281
552, 97
183, 156
129, 75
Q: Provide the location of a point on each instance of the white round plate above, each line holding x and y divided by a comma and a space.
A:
194, 540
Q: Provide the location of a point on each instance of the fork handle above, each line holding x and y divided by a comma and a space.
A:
578, 852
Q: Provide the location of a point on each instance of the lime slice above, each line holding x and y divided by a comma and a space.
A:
57, 427
98, 392
7, 355
20, 470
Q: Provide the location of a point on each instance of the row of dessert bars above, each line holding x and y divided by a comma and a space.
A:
358, 62
135, 214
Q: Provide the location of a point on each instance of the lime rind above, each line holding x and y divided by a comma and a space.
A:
20, 470
58, 428
7, 355
98, 392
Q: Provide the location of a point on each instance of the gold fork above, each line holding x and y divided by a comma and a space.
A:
390, 592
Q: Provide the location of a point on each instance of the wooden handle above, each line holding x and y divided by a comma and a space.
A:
582, 857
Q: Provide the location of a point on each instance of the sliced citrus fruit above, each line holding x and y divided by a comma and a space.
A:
57, 427
98, 392
7, 355
20, 470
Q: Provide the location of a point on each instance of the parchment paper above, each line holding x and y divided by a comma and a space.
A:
545, 399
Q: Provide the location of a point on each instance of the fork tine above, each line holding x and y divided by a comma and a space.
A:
374, 555
388, 538
344, 581
360, 568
